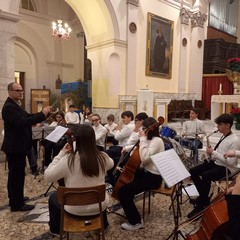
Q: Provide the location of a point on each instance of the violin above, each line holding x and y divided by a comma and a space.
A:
133, 163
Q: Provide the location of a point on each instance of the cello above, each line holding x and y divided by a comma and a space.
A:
133, 163
214, 220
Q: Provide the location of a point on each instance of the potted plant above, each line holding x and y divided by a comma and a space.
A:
236, 116
233, 73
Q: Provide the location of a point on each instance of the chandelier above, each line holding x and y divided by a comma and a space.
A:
59, 31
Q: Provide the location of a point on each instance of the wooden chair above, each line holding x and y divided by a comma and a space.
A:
80, 197
161, 190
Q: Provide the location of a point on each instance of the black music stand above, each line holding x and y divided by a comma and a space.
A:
173, 172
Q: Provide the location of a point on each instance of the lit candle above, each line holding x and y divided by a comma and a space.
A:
220, 87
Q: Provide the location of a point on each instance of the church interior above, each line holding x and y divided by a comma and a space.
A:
110, 58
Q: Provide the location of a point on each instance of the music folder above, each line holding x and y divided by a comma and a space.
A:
170, 167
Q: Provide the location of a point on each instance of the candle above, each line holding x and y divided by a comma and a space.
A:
220, 87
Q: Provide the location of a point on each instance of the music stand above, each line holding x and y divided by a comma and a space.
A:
173, 172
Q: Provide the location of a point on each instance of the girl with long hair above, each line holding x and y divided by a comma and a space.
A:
84, 166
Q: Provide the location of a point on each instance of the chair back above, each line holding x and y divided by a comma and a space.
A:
80, 197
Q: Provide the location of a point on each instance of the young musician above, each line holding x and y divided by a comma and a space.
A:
193, 131
86, 166
146, 178
214, 168
100, 131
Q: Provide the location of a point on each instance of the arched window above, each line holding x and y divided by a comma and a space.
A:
27, 4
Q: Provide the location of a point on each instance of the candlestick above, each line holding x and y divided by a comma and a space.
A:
220, 87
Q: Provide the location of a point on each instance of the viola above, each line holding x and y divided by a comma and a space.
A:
133, 163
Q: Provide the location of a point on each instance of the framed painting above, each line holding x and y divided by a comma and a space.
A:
159, 47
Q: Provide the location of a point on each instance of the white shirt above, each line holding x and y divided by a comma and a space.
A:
193, 127
122, 135
100, 134
147, 148
230, 142
110, 128
72, 117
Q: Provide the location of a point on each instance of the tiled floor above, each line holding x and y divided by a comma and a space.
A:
159, 224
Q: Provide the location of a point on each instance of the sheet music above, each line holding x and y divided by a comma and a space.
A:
170, 167
56, 134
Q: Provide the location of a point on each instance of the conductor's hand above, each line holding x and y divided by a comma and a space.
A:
46, 110
67, 148
230, 153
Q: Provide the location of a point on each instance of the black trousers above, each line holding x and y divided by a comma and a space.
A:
142, 181
202, 176
16, 177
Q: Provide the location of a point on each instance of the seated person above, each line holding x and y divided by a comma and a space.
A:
85, 168
51, 149
82, 113
72, 117
88, 120
131, 142
121, 135
147, 177
100, 131
214, 168
193, 133
110, 126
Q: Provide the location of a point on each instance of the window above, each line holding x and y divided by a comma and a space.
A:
27, 4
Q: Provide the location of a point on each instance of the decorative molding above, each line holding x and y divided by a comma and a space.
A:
9, 16
197, 19
133, 2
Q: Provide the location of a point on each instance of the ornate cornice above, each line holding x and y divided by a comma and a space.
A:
133, 2
9, 16
197, 19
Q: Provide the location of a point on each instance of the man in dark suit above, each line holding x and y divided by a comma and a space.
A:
17, 142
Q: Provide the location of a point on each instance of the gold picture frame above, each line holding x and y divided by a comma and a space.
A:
159, 47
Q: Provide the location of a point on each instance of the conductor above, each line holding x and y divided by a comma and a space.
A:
17, 142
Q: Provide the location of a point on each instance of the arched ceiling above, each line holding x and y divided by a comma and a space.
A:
95, 18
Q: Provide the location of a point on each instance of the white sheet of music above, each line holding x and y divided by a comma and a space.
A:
56, 134
170, 167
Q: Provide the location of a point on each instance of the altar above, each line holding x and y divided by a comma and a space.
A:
221, 104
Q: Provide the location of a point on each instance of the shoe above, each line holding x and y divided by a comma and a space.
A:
24, 208
194, 201
195, 212
130, 227
57, 234
25, 199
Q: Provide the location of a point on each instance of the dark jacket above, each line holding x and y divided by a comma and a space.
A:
18, 127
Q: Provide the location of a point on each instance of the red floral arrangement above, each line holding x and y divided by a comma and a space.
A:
233, 64
236, 114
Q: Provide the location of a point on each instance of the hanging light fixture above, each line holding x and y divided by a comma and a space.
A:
60, 31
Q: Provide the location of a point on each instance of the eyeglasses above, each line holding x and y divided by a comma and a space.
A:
95, 120
18, 90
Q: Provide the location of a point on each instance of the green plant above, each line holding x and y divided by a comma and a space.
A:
233, 64
236, 114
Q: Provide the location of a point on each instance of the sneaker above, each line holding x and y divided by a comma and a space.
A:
195, 212
130, 227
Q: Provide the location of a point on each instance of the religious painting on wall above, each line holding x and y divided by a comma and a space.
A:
159, 47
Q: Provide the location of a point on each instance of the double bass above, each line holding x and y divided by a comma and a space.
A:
133, 163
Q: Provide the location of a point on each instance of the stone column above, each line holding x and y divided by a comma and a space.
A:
161, 108
7, 68
7, 39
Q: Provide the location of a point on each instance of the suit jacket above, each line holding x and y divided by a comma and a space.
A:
18, 127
